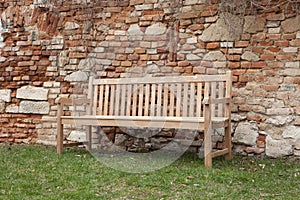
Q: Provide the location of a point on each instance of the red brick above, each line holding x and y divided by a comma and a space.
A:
267, 57
183, 63
265, 43
259, 36
284, 57
241, 43
273, 49
275, 17
270, 88
238, 71
234, 65
213, 45
259, 65
289, 36
196, 27
275, 65
233, 57
282, 43
126, 63
246, 65
259, 50
274, 36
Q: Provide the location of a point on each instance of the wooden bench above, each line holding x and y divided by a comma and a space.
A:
200, 102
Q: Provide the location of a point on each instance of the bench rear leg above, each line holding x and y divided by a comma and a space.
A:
60, 138
89, 137
228, 142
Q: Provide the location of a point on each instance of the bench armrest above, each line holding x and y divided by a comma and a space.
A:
70, 101
216, 101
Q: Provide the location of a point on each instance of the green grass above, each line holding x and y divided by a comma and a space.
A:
37, 172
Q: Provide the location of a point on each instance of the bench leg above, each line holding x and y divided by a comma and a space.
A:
228, 142
60, 138
208, 147
89, 137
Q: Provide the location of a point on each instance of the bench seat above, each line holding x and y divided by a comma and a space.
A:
146, 121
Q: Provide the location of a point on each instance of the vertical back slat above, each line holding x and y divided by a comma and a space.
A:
147, 100
141, 100
112, 99
192, 100
117, 104
123, 99
221, 95
172, 100
134, 99
178, 99
95, 100
153, 94
100, 108
159, 98
106, 98
165, 100
128, 101
213, 94
199, 100
185, 103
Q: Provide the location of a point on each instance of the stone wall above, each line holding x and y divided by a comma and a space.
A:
46, 47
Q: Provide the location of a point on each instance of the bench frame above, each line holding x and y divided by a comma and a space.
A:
140, 112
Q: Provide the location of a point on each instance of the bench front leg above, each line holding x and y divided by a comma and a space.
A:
60, 129
207, 135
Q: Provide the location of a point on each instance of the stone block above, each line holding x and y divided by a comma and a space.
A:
156, 29
246, 133
254, 24
250, 56
77, 136
34, 107
214, 56
291, 132
291, 25
278, 148
5, 95
71, 26
12, 108
32, 93
78, 76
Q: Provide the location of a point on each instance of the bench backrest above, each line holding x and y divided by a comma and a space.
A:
176, 96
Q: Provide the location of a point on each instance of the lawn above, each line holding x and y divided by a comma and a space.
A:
37, 172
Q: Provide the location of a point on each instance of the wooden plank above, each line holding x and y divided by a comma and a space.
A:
153, 95
220, 152
192, 100
185, 102
117, 104
90, 95
178, 100
106, 98
161, 80
159, 100
227, 136
123, 99
213, 93
221, 95
147, 100
199, 100
95, 99
134, 100
165, 100
100, 107
141, 100
112, 100
59, 133
128, 101
172, 100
